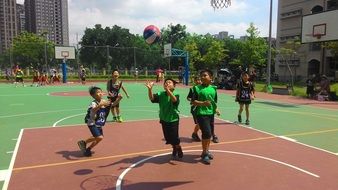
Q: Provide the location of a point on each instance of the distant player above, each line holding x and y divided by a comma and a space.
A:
245, 93
113, 88
19, 77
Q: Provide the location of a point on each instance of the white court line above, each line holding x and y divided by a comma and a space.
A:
121, 176
54, 125
11, 165
313, 147
288, 138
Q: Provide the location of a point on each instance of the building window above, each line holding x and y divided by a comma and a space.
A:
317, 9
291, 14
332, 5
315, 46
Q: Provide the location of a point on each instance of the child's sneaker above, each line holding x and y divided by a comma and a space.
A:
247, 122
215, 139
179, 152
174, 152
119, 119
239, 117
209, 155
195, 137
88, 153
82, 145
114, 119
205, 159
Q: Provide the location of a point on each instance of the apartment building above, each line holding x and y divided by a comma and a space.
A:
8, 24
307, 58
48, 18
21, 18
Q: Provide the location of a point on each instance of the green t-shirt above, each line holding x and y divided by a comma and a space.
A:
204, 93
168, 109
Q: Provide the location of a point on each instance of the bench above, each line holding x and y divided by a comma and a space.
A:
281, 91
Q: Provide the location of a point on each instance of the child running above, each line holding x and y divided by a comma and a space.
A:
245, 93
168, 101
194, 135
205, 99
96, 116
113, 88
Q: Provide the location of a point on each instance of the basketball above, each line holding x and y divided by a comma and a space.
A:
151, 34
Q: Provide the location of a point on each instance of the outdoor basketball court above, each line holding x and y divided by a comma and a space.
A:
133, 154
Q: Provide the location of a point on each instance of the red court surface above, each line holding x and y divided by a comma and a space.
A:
133, 156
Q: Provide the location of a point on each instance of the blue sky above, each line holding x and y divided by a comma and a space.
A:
197, 15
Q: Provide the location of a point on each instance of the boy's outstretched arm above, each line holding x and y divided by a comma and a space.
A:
125, 91
150, 85
171, 95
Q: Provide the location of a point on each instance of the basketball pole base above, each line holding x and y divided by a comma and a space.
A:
64, 71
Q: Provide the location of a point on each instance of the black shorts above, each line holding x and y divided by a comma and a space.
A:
96, 130
18, 79
246, 102
206, 123
170, 132
112, 99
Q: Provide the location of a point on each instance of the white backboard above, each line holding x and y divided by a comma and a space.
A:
62, 52
320, 27
167, 50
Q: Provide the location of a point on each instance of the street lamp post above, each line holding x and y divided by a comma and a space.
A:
268, 74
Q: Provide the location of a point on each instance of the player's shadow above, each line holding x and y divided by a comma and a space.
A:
154, 185
71, 155
163, 159
184, 140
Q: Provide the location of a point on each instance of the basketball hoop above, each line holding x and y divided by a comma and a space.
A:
219, 4
65, 54
318, 36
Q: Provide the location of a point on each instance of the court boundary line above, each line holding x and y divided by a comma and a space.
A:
287, 135
11, 165
118, 183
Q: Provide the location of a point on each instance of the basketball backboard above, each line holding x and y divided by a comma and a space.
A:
64, 52
320, 27
167, 50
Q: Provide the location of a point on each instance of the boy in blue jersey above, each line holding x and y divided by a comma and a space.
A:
96, 117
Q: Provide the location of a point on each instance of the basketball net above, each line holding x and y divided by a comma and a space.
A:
219, 4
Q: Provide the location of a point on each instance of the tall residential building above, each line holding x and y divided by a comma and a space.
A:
8, 23
21, 18
308, 58
49, 18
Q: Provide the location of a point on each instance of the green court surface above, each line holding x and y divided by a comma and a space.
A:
34, 107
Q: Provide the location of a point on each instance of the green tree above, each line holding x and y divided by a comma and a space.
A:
254, 49
194, 54
29, 50
215, 55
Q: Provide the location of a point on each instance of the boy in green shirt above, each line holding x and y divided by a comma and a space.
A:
205, 99
168, 101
